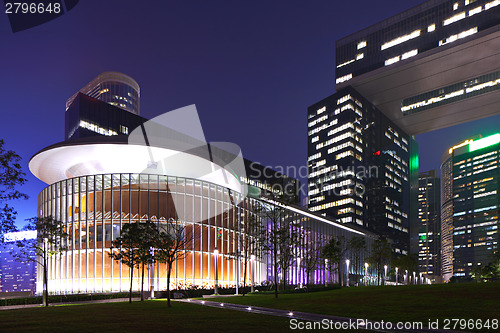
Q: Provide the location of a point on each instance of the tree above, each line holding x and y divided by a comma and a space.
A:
252, 242
132, 245
334, 251
312, 254
406, 263
51, 240
11, 176
171, 241
357, 247
380, 255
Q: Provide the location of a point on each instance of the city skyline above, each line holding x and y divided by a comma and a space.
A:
255, 65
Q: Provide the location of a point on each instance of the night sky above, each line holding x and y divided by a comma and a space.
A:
251, 67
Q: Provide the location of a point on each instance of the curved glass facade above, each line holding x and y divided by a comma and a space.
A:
94, 208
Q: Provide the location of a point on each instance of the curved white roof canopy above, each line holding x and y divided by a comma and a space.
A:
63, 161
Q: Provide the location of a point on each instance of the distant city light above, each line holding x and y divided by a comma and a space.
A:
18, 236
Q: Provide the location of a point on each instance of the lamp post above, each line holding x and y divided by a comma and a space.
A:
299, 278
347, 261
414, 278
152, 277
252, 267
237, 271
385, 273
396, 276
326, 264
406, 276
216, 289
366, 273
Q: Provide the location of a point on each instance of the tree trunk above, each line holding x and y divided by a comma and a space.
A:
142, 283
275, 272
339, 271
45, 281
169, 269
131, 283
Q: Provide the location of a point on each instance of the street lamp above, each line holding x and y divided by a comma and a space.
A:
299, 278
385, 273
396, 276
324, 277
252, 266
414, 278
347, 261
152, 276
366, 273
406, 276
216, 289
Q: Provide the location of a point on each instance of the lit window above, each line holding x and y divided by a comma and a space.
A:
401, 39
475, 10
453, 38
454, 18
409, 54
391, 61
455, 6
361, 44
431, 28
360, 56
343, 78
346, 63
491, 4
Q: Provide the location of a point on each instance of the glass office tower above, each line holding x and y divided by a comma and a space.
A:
427, 232
113, 88
360, 166
470, 199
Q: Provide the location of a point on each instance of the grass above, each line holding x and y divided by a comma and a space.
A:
149, 316
389, 303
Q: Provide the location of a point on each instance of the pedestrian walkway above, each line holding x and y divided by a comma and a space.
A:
349, 322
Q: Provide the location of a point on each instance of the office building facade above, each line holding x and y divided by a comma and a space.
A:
430, 67
360, 166
426, 236
470, 184
114, 88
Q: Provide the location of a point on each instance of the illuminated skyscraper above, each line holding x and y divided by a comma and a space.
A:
113, 88
360, 166
470, 188
426, 235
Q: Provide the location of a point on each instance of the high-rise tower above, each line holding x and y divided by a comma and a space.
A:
113, 88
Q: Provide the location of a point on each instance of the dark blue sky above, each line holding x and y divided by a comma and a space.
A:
251, 67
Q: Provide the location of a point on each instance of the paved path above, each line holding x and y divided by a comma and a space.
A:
25, 306
307, 316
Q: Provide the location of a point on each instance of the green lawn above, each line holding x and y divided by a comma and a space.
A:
390, 303
149, 316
